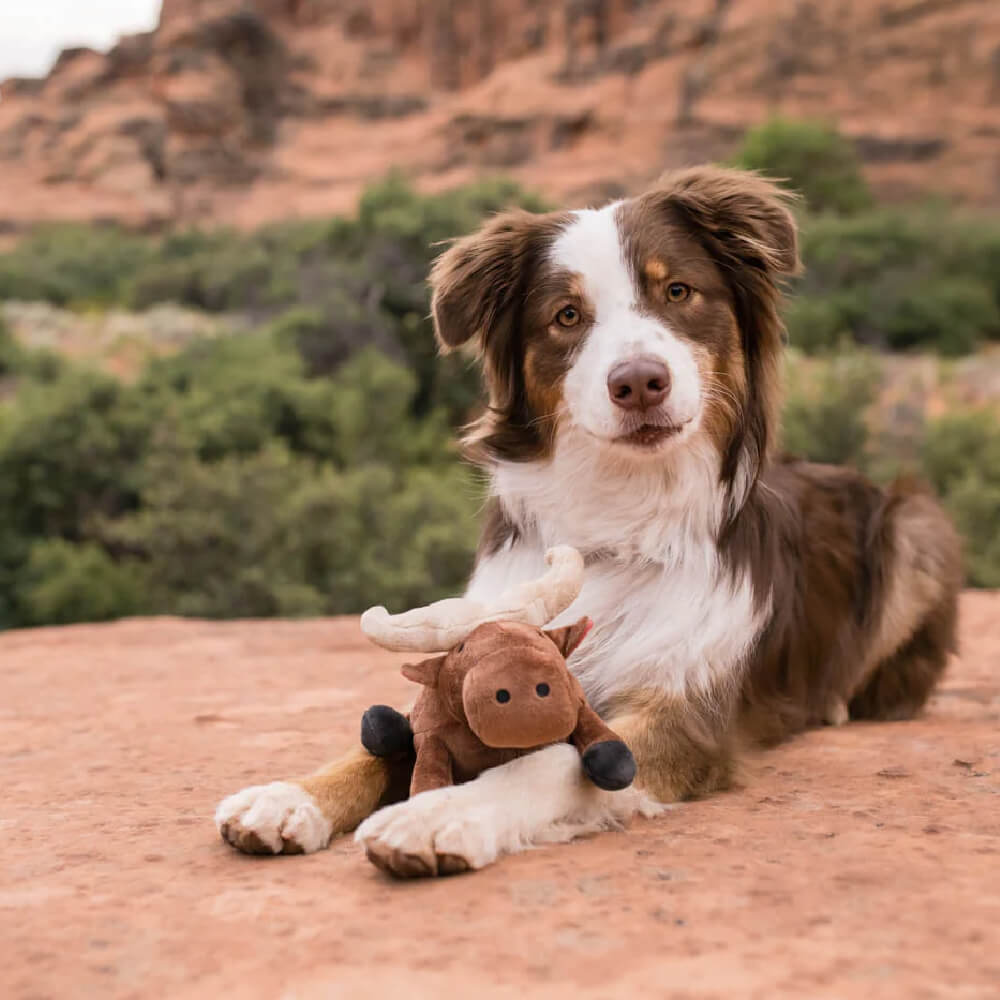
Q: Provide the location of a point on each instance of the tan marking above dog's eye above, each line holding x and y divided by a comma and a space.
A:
568, 316
656, 270
677, 291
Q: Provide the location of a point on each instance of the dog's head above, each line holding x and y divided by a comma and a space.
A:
644, 324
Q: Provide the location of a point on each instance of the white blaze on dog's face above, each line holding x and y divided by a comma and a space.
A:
634, 381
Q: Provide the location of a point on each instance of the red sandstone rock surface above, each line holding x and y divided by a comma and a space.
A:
248, 110
855, 862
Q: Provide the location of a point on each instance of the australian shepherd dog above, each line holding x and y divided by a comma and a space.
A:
632, 356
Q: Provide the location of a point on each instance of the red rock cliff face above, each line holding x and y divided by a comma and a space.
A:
244, 111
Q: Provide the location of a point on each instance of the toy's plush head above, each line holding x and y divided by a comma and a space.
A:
509, 683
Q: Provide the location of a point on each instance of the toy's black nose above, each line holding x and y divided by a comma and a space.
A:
503, 696
639, 384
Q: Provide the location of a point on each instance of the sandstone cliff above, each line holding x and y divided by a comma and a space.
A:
244, 110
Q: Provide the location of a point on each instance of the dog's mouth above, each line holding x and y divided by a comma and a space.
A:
649, 435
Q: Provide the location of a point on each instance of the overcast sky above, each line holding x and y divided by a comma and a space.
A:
33, 32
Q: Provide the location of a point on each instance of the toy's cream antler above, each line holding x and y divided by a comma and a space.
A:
444, 624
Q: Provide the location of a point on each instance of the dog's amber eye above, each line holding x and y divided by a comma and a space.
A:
677, 291
568, 316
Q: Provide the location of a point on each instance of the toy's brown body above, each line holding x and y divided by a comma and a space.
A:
503, 692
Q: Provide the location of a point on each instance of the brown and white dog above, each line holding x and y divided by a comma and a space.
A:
632, 356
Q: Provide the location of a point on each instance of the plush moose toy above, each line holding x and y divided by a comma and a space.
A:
500, 687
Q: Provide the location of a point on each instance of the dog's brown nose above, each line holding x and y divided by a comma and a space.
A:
639, 384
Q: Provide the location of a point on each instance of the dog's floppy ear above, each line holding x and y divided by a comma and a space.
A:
480, 285
425, 672
480, 277
741, 216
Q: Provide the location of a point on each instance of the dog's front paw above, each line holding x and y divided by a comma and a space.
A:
431, 834
279, 818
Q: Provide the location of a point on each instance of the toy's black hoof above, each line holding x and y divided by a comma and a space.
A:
609, 765
385, 732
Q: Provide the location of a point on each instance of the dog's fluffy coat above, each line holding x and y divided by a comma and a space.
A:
737, 595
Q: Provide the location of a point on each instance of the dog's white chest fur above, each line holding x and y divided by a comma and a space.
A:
669, 613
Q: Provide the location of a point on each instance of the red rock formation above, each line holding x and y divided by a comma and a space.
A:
245, 110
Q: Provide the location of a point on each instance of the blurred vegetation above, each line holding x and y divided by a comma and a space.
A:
890, 277
308, 466
826, 408
810, 157
224, 483
961, 457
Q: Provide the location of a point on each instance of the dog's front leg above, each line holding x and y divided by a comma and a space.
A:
683, 746
302, 815
544, 797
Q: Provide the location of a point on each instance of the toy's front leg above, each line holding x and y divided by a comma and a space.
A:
607, 760
433, 766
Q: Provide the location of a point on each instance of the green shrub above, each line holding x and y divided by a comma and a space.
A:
10, 352
815, 325
961, 458
72, 264
211, 536
974, 503
379, 535
959, 442
899, 278
225, 482
276, 534
813, 158
18, 361
948, 315
221, 272
64, 582
70, 450
826, 407
232, 395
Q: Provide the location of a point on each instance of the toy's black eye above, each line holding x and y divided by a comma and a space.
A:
542, 690
568, 316
503, 696
677, 291
461, 646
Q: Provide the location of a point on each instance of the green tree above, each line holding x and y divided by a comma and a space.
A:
813, 158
